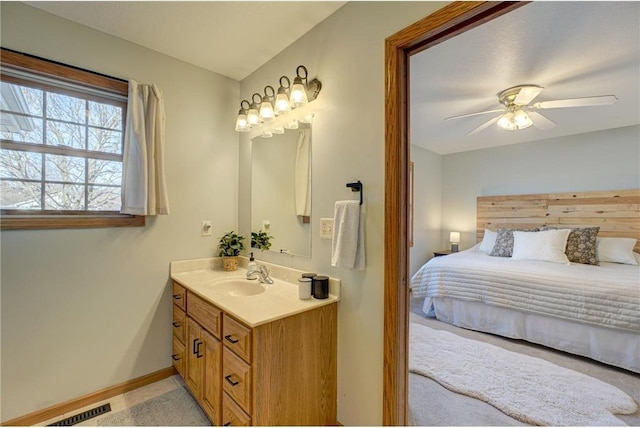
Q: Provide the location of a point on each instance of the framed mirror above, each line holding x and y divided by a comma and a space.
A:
281, 190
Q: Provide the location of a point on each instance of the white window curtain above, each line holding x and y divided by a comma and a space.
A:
303, 174
144, 190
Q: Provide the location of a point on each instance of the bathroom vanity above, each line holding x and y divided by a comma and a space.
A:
254, 354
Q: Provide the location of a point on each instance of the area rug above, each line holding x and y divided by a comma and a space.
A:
526, 388
173, 408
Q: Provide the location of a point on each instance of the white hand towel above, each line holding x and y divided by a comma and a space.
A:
347, 249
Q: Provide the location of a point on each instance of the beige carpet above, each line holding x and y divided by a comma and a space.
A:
529, 389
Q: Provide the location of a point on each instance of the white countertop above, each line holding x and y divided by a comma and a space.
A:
279, 300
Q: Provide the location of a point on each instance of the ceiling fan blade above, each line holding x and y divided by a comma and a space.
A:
476, 113
577, 102
540, 121
527, 94
487, 124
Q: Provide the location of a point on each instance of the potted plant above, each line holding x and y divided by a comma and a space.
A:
230, 246
261, 240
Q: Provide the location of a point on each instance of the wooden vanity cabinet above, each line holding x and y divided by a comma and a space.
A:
280, 373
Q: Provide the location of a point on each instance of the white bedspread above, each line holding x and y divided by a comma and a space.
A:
607, 295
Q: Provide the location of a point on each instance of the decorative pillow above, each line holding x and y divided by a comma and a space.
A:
616, 250
488, 241
504, 242
581, 245
546, 246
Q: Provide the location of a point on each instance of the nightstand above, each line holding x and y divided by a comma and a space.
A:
441, 253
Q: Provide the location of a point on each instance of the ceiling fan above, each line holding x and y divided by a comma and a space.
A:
520, 113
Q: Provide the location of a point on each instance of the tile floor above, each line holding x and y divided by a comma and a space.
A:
124, 401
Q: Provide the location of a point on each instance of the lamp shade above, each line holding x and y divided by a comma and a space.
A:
454, 237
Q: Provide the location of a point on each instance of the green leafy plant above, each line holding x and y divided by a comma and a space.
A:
261, 240
231, 244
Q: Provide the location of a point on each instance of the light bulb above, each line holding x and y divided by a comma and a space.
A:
522, 120
241, 123
253, 117
266, 110
282, 103
507, 121
298, 96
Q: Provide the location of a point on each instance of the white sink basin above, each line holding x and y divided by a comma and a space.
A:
238, 287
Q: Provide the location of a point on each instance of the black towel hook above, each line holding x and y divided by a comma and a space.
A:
356, 186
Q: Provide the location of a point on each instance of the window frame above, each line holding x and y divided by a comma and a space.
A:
52, 219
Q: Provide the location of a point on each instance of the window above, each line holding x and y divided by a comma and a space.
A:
61, 145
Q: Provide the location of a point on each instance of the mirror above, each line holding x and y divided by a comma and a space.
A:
281, 190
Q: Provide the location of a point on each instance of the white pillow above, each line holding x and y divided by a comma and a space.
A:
546, 245
616, 250
488, 241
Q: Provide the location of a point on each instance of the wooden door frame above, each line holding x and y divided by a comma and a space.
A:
443, 24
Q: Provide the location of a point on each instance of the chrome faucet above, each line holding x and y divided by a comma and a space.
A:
259, 272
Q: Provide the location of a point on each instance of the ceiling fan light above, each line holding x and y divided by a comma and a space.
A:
506, 122
522, 120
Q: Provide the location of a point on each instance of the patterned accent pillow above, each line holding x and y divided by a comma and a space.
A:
581, 245
504, 242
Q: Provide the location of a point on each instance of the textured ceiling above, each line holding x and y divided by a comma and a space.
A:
572, 49
232, 38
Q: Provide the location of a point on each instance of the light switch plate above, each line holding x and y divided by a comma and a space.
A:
326, 228
205, 228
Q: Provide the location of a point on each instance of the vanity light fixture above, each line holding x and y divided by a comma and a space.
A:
271, 106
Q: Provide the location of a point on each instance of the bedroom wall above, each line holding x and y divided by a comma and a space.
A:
346, 52
605, 160
427, 207
86, 309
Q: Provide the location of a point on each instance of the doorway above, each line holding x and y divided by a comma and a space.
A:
445, 23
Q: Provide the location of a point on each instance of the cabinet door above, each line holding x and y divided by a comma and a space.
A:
194, 354
211, 381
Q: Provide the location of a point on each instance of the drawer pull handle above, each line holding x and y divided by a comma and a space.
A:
177, 296
176, 324
175, 357
231, 381
231, 339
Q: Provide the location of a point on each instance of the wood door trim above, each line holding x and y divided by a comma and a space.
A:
443, 24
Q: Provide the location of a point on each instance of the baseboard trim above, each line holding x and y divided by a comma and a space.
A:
89, 399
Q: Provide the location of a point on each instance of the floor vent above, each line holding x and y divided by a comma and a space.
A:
80, 417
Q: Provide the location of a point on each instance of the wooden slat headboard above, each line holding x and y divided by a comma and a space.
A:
617, 212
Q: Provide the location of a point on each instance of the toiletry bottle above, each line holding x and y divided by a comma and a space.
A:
252, 267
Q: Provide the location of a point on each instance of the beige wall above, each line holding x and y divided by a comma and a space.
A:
87, 309
346, 52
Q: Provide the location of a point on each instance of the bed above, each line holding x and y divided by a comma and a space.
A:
591, 310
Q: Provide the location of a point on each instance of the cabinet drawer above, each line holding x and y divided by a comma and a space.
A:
178, 323
179, 296
177, 355
207, 315
232, 414
237, 337
236, 379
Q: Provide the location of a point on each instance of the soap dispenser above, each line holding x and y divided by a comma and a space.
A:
252, 267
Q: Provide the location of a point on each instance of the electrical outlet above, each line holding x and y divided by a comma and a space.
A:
206, 228
326, 228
